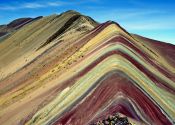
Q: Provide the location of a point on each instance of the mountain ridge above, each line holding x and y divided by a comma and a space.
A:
56, 23
15, 24
68, 69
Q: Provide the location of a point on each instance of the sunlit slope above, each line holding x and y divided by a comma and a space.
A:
8, 29
82, 78
25, 45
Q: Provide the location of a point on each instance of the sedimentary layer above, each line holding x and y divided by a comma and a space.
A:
67, 69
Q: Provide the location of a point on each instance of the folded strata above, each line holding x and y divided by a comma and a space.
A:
68, 69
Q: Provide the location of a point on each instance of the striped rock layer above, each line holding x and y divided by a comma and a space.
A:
66, 70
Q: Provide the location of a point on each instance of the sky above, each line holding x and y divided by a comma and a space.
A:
150, 18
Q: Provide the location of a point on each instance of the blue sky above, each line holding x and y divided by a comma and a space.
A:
150, 18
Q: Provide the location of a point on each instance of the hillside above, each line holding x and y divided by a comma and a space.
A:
15, 25
68, 69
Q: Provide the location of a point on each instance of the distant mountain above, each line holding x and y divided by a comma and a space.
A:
68, 69
15, 25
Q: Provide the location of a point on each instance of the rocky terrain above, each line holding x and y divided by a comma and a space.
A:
68, 69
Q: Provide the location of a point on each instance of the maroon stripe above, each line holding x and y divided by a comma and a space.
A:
108, 88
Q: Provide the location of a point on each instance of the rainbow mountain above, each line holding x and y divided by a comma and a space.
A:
68, 69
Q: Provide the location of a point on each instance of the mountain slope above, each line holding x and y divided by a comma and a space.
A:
21, 48
15, 25
78, 74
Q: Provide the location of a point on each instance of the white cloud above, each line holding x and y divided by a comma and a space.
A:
7, 8
54, 4
59, 3
41, 4
33, 5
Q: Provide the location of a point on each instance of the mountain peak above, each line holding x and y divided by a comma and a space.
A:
71, 12
64, 69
